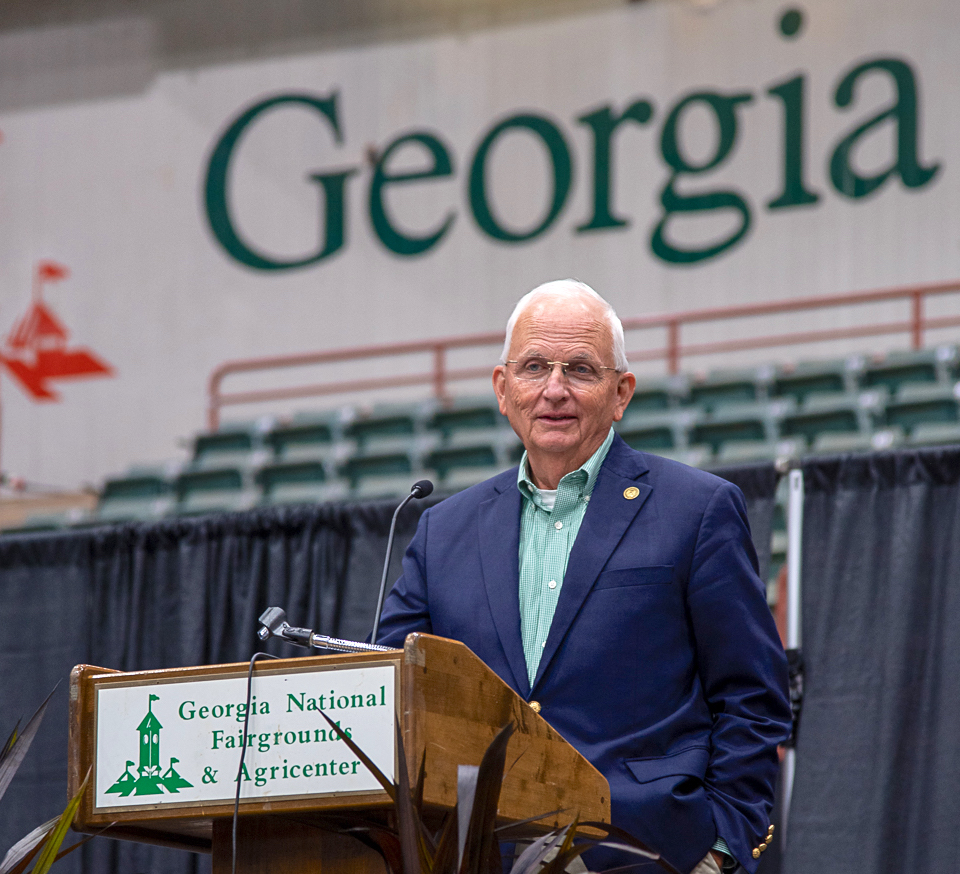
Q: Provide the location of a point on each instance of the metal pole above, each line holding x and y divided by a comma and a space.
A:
917, 320
794, 556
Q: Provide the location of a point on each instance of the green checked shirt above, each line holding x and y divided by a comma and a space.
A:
549, 522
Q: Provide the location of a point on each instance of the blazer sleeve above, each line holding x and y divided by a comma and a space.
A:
743, 673
406, 608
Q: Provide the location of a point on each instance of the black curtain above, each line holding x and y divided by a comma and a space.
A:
878, 758
175, 593
188, 592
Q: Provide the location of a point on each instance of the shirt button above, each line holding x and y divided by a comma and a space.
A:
552, 584
558, 525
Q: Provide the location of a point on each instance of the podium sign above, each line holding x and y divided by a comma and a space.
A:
164, 747
176, 743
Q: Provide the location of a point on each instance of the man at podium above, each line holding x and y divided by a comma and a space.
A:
616, 591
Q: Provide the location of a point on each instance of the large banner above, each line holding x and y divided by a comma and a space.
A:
674, 155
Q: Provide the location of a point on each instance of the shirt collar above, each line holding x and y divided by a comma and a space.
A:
583, 479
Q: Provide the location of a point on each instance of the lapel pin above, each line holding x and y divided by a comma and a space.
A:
631, 493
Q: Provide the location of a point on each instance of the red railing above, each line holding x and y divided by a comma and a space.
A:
672, 352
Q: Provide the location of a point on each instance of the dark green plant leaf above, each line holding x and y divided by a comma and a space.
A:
384, 841
48, 854
445, 855
518, 831
27, 847
10, 742
626, 841
481, 851
532, 856
407, 819
20, 745
387, 784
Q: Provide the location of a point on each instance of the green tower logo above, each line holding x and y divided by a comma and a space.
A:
150, 780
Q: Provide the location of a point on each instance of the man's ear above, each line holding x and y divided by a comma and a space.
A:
625, 386
500, 386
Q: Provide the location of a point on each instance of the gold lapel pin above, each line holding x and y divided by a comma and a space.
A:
631, 493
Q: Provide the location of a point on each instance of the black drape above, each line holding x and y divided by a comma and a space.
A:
184, 592
174, 593
878, 756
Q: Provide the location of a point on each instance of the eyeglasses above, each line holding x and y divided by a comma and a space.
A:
577, 373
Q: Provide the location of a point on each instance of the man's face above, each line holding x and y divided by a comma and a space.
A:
561, 423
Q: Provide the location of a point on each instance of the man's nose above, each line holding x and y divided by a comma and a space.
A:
556, 385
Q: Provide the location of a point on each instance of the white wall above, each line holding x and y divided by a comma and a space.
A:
106, 175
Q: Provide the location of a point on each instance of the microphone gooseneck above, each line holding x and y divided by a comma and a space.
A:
419, 490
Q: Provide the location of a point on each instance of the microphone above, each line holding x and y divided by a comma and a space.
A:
273, 623
419, 490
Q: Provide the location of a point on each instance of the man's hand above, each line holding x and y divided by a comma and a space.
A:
719, 858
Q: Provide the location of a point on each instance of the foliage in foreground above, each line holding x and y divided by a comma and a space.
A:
469, 841
43, 843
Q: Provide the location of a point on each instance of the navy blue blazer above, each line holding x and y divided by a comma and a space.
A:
662, 666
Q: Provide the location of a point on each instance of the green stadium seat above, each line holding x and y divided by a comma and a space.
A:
214, 490
651, 437
235, 444
386, 464
835, 413
740, 422
745, 451
922, 403
721, 387
654, 395
900, 368
936, 434
466, 414
383, 422
281, 474
386, 486
140, 494
693, 456
842, 443
305, 435
446, 458
459, 478
307, 492
655, 431
806, 377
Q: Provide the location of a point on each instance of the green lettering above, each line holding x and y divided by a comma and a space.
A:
724, 111
551, 137
903, 113
794, 192
440, 166
216, 196
292, 699
603, 122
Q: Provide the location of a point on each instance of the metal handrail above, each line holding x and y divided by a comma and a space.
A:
672, 352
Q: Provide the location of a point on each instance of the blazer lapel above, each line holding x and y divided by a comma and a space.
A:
607, 518
500, 563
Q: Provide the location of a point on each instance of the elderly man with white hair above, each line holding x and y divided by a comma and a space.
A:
614, 590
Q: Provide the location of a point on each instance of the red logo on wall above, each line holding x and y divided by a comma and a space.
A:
37, 350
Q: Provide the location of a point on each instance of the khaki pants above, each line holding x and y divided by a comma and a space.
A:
706, 866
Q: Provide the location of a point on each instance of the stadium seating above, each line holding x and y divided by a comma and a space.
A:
724, 417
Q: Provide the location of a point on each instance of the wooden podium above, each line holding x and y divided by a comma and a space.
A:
448, 705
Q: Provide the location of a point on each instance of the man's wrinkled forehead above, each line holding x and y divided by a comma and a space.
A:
569, 321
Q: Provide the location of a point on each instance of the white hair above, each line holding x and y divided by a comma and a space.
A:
570, 289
